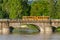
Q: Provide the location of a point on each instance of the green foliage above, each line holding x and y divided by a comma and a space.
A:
3, 15
58, 29
15, 9
1, 1
24, 7
54, 9
58, 9
39, 8
46, 8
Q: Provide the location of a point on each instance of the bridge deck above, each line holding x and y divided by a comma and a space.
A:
34, 21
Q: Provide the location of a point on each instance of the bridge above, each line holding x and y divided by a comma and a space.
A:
45, 25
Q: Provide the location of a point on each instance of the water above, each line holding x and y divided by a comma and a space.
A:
40, 36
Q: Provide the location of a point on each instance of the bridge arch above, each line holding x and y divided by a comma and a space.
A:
33, 26
11, 28
36, 26
39, 26
53, 28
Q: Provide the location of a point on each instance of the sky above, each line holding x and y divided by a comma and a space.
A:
29, 0
32, 0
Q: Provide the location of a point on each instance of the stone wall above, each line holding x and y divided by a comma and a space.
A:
44, 25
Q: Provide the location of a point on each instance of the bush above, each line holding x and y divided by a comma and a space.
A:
58, 29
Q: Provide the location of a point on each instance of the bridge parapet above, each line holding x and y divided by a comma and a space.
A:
55, 20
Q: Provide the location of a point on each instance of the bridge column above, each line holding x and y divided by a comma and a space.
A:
41, 27
48, 28
5, 28
45, 28
41, 30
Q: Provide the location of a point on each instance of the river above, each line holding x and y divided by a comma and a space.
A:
40, 36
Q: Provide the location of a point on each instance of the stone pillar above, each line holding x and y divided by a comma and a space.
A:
5, 29
0, 28
48, 28
45, 28
41, 30
41, 27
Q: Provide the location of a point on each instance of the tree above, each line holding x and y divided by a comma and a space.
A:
16, 8
13, 7
1, 12
25, 8
3, 15
39, 8
4, 5
58, 9
1, 1
53, 9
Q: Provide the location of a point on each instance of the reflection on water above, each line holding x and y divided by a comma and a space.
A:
40, 36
